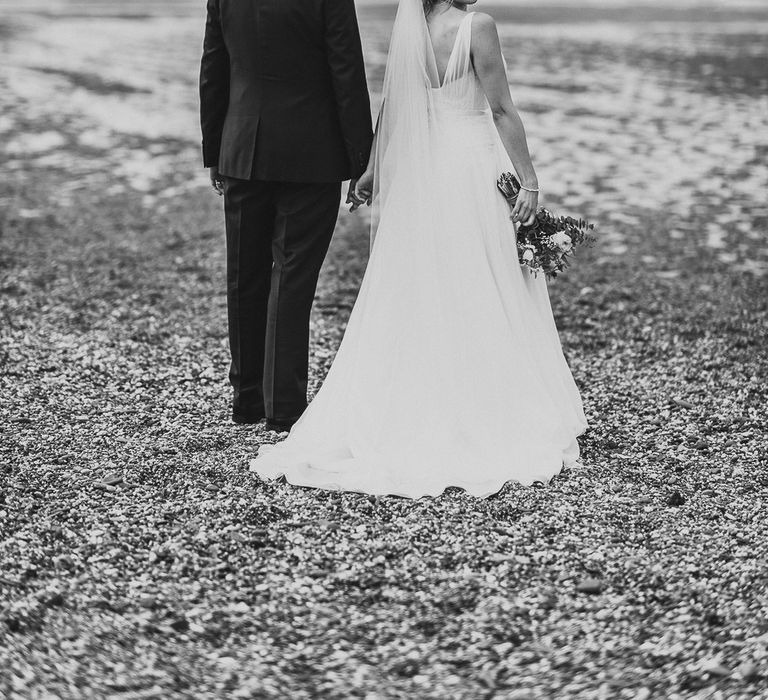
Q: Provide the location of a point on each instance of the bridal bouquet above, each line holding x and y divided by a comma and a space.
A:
544, 245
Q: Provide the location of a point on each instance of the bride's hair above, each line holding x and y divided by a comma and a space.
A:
429, 5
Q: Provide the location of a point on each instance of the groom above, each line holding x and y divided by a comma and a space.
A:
286, 118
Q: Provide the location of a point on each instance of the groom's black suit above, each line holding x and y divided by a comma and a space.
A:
286, 117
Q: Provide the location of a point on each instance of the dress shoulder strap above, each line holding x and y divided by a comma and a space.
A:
462, 51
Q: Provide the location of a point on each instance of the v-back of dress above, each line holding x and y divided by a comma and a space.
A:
458, 87
450, 372
453, 68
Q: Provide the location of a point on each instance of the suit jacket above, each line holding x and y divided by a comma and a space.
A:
283, 94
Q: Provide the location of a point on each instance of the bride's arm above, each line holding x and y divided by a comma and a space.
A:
364, 184
489, 66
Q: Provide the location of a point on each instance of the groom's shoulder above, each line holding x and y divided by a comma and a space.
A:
267, 5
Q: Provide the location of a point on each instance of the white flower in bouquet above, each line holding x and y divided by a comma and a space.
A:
546, 243
562, 240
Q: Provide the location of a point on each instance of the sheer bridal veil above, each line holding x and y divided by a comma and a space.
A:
403, 141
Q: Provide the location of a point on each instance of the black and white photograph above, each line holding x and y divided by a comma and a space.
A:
409, 349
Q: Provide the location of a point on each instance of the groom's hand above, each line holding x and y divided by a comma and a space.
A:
217, 181
352, 197
361, 190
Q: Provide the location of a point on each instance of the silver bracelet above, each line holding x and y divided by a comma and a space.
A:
528, 189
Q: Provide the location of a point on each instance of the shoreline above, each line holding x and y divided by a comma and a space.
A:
548, 11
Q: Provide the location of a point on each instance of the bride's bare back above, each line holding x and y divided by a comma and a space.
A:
443, 31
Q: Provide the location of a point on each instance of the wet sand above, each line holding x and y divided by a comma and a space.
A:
627, 111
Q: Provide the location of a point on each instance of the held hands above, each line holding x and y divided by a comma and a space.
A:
217, 181
360, 191
526, 207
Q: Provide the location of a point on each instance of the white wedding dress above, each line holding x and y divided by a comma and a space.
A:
451, 371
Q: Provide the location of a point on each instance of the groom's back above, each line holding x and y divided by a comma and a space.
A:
275, 39
286, 116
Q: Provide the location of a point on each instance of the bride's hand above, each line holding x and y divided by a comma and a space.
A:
525, 207
217, 182
363, 190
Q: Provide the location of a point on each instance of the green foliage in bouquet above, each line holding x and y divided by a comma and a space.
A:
546, 244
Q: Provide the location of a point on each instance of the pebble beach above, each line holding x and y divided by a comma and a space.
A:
138, 556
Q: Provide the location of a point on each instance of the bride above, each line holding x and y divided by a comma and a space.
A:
450, 372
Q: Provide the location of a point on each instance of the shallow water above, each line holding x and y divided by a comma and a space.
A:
626, 114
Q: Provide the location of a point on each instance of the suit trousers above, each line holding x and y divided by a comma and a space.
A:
278, 234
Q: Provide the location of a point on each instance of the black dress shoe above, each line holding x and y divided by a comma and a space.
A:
281, 425
247, 417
